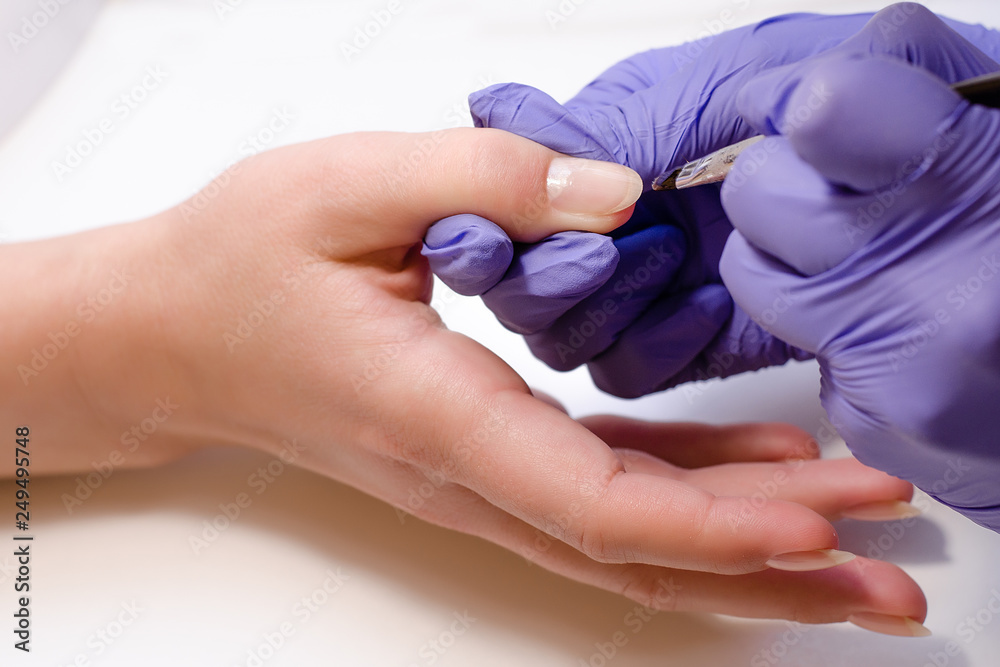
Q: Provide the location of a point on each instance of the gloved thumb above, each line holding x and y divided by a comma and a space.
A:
533, 114
861, 121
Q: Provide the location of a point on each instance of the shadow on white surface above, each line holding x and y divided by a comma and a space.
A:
138, 526
925, 543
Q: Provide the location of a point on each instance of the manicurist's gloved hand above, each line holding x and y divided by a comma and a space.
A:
646, 309
875, 219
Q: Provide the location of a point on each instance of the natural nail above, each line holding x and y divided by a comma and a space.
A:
804, 561
885, 510
591, 187
898, 626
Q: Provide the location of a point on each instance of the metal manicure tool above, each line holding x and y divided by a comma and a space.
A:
712, 168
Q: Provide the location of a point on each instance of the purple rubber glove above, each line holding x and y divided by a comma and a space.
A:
660, 316
875, 220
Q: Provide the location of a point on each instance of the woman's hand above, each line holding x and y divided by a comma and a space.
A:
286, 308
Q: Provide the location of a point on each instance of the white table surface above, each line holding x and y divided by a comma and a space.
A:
397, 583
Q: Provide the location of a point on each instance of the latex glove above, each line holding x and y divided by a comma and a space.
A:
661, 315
310, 337
875, 222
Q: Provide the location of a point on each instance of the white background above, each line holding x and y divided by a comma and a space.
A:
129, 543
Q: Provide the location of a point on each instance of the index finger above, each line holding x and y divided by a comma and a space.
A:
539, 465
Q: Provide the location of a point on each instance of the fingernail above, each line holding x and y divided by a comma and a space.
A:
591, 187
898, 626
885, 510
805, 561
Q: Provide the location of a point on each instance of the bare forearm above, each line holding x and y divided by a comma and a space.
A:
69, 328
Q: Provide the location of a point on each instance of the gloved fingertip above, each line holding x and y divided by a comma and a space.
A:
713, 304
548, 278
762, 100
468, 253
649, 261
664, 341
567, 264
861, 119
911, 32
742, 266
659, 242
535, 115
498, 105
674, 236
798, 354
866, 121
740, 346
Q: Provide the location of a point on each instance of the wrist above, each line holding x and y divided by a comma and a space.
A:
88, 369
